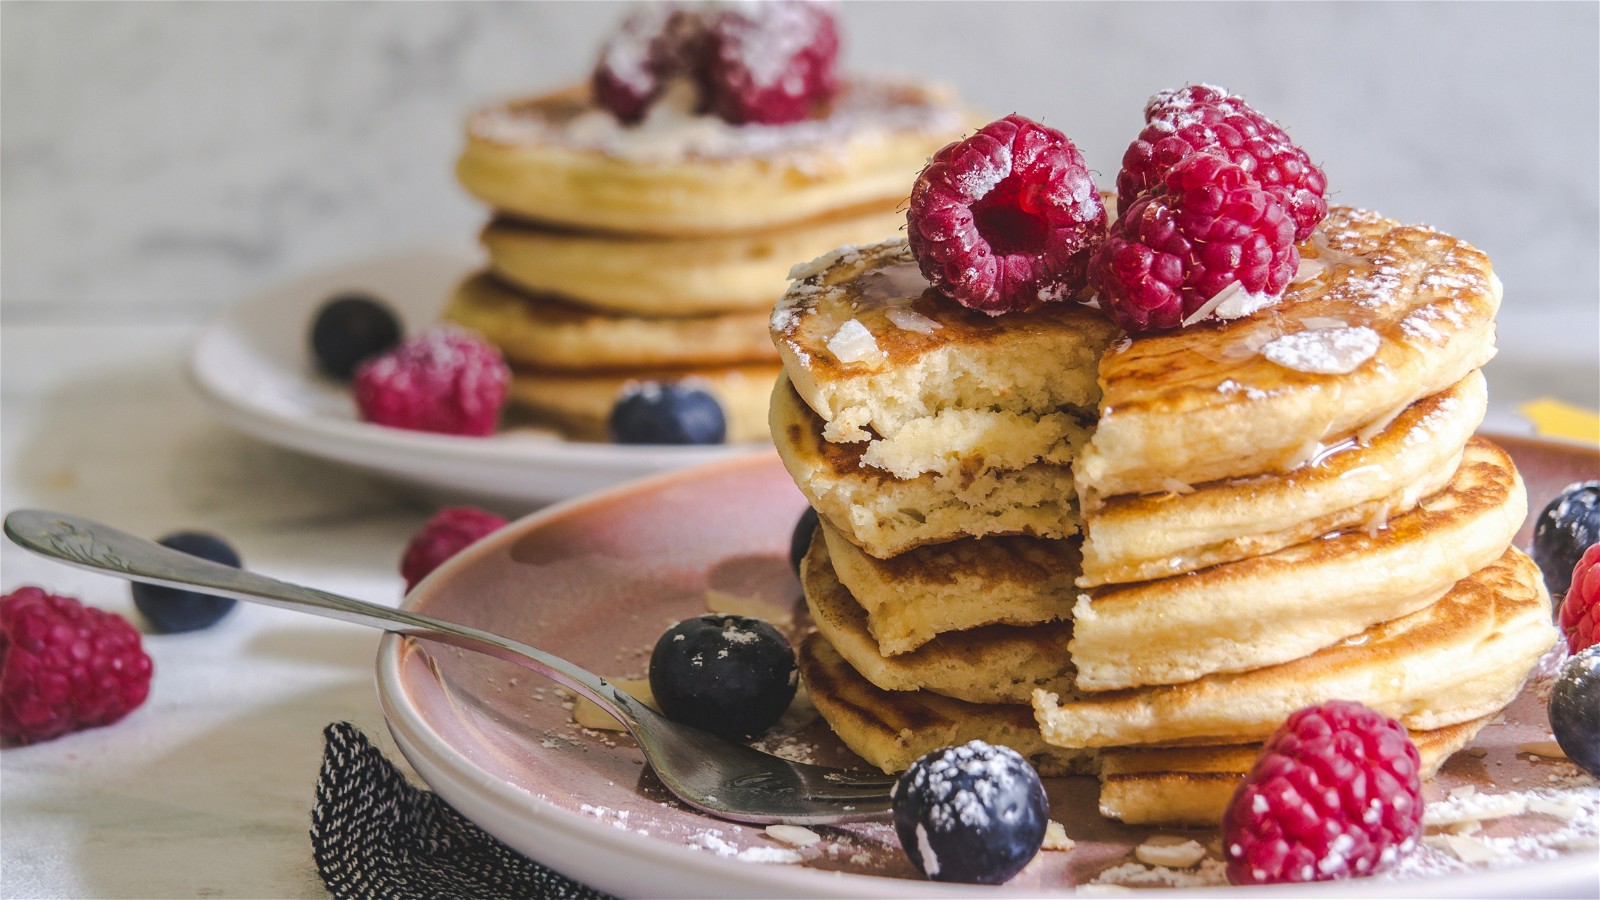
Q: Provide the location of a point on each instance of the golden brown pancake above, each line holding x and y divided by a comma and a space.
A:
913, 597
1170, 787
885, 515
543, 331
648, 275
871, 348
990, 664
1462, 657
1137, 537
561, 159
1279, 607
1397, 312
890, 729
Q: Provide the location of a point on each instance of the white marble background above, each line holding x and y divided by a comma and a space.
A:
161, 160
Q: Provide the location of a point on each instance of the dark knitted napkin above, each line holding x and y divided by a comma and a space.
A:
374, 835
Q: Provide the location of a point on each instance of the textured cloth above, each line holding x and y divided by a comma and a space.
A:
374, 835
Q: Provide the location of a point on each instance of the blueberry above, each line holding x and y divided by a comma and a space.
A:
973, 814
172, 610
729, 675
1575, 709
670, 413
1566, 527
350, 329
800, 541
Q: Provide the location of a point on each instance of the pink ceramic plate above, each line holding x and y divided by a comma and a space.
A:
598, 579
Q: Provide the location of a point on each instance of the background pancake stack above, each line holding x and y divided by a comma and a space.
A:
654, 252
1275, 511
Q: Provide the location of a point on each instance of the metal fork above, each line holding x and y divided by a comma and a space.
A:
709, 773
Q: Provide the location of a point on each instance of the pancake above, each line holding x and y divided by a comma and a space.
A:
870, 345
885, 515
1281, 606
1173, 787
1462, 657
544, 332
890, 729
990, 664
561, 159
1137, 537
1395, 313
579, 404
1191, 787
957, 585
675, 276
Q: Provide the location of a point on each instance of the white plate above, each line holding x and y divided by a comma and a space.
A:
598, 579
254, 370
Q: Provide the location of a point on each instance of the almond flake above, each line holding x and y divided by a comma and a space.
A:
1170, 852
794, 835
853, 343
1055, 837
907, 319
1547, 749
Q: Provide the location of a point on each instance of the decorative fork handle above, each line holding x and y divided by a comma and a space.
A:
90, 545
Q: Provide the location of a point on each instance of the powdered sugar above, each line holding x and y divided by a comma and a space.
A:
976, 183
1324, 351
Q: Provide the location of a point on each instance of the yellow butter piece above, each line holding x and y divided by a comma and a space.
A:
1553, 418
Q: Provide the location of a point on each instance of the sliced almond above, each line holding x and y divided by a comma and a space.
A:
1547, 749
1170, 852
1055, 837
794, 835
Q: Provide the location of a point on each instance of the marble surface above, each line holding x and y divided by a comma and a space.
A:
162, 160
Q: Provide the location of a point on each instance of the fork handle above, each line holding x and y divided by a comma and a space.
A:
91, 545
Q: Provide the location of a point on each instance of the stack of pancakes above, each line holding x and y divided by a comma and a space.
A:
654, 252
1135, 557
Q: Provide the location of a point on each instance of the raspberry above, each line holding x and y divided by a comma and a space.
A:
1580, 611
766, 63
1168, 103
450, 531
771, 62
444, 380
65, 666
1006, 219
1176, 255
1205, 119
656, 42
1336, 793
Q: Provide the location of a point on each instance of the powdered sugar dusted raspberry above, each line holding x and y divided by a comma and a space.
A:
1176, 249
770, 62
1206, 119
445, 380
656, 42
1005, 219
1336, 793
